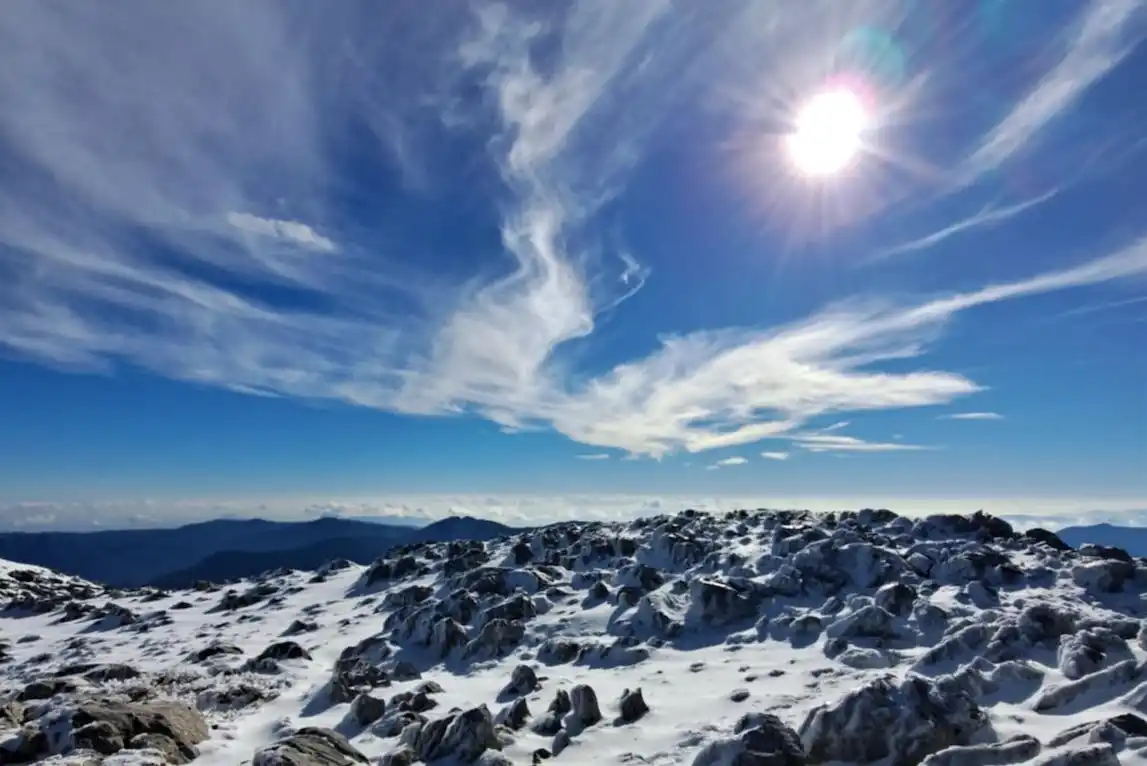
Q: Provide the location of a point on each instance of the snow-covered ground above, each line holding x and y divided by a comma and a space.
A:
868, 637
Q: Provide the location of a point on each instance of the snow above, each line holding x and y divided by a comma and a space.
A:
716, 620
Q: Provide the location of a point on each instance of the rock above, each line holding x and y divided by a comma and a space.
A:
165, 745
300, 626
560, 743
760, 739
366, 709
905, 721
11, 714
417, 702
310, 747
403, 756
215, 650
1125, 672
739, 695
102, 737
514, 715
1103, 576
1016, 750
869, 621
1126, 724
548, 725
284, 650
1105, 552
559, 651
497, 638
1088, 650
404, 670
585, 710
896, 598
393, 724
463, 736
42, 690
719, 603
230, 698
1089, 755
523, 680
521, 553
113, 672
1050, 539
359, 668
107, 726
632, 706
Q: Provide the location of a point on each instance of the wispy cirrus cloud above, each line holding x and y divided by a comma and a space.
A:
987, 216
727, 462
594, 456
1104, 33
775, 455
821, 442
164, 156
973, 416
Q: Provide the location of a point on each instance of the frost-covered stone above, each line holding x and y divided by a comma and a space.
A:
1016, 750
1119, 674
902, 720
760, 739
463, 736
523, 680
310, 747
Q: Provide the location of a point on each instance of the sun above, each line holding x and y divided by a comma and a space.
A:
828, 132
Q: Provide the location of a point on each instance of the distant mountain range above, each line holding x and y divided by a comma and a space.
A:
226, 549
1131, 539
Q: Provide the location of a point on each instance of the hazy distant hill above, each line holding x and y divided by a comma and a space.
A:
1131, 539
223, 549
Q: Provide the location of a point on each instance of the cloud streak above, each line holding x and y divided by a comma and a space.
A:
727, 462
1105, 33
821, 442
183, 188
973, 416
988, 216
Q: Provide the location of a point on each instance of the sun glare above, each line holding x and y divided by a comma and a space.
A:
828, 132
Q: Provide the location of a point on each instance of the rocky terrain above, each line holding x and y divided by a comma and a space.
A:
749, 639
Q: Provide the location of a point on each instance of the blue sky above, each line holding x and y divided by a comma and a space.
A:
556, 257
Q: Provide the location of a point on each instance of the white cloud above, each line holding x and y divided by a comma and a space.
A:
594, 456
727, 462
821, 442
973, 416
775, 455
290, 231
138, 131
988, 216
1104, 306
1106, 32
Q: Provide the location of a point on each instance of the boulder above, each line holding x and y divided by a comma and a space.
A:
902, 721
310, 747
632, 706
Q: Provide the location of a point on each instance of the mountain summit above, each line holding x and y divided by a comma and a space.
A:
778, 638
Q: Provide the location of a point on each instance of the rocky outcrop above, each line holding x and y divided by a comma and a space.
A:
903, 721
310, 747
